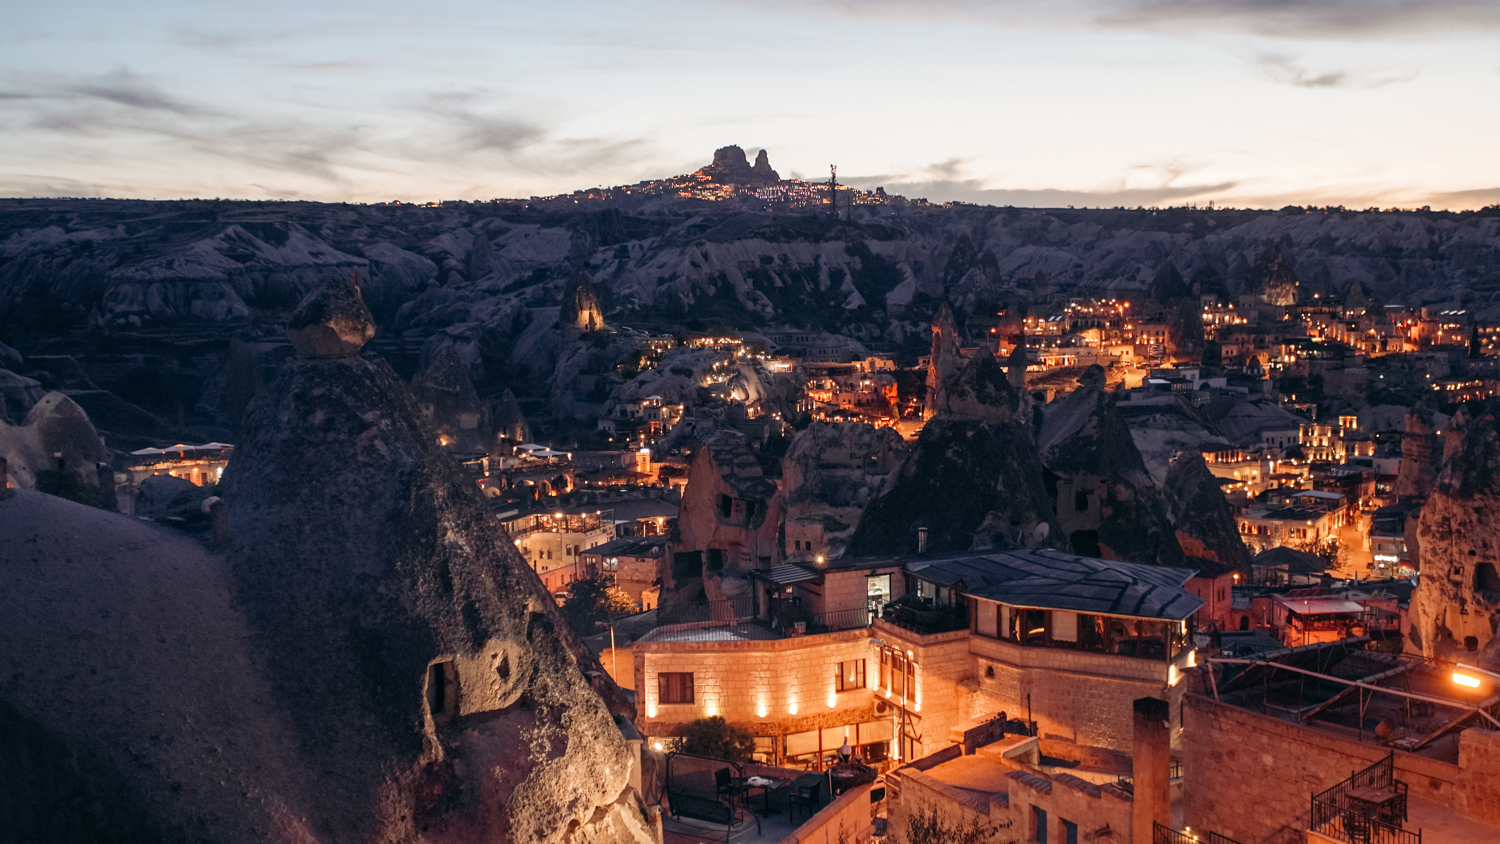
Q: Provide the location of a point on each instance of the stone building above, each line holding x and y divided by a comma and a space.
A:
1064, 641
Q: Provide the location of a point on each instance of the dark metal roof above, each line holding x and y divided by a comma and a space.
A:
787, 575
1056, 581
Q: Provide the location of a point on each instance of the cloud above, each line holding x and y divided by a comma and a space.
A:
127, 89
1332, 19
943, 182
1349, 20
1287, 70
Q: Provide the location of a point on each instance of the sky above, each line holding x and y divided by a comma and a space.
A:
1245, 103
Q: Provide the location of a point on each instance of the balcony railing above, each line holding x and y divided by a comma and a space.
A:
1167, 835
924, 619
734, 609
1367, 808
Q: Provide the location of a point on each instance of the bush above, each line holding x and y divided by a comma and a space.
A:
718, 739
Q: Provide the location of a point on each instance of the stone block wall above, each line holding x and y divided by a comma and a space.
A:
1478, 793
1081, 697
1251, 777
769, 687
844, 821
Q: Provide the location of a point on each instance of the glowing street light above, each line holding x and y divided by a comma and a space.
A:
1468, 676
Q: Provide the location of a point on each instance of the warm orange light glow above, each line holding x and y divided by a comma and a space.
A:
1465, 680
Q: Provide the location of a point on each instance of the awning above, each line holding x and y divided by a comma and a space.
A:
1319, 606
786, 575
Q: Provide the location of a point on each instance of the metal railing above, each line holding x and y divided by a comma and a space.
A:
832, 622
1167, 835
925, 620
733, 609
1367, 808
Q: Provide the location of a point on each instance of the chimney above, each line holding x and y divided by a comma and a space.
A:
1151, 769
922, 540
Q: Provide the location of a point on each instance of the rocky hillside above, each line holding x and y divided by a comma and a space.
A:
179, 280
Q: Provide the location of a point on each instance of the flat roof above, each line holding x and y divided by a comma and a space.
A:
1045, 579
630, 546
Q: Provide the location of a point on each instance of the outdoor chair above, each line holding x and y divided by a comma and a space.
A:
808, 797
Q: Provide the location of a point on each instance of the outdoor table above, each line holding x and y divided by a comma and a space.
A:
766, 786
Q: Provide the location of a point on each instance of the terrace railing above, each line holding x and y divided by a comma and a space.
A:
1367, 808
1167, 835
734, 609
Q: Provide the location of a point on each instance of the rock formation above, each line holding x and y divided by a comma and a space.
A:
944, 361
510, 422
332, 322
449, 403
580, 312
1455, 609
1421, 454
1272, 278
55, 449
973, 480
830, 474
1200, 514
370, 660
731, 167
728, 524
1106, 501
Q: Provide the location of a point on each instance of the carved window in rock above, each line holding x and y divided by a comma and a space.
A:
442, 690
715, 559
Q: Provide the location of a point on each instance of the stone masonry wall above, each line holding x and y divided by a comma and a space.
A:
1251, 777
1082, 697
769, 687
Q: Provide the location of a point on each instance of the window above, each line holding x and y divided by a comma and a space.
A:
1039, 825
674, 688
1069, 831
1080, 501
726, 506
442, 689
851, 675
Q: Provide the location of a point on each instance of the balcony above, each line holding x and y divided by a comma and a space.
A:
1367, 808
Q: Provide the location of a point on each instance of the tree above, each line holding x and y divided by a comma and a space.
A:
718, 739
926, 826
593, 600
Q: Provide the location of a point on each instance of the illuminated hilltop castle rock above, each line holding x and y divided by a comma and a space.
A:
733, 168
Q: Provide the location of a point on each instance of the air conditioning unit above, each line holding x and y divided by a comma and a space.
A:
881, 707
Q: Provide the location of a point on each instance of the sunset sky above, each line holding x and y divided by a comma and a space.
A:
1116, 102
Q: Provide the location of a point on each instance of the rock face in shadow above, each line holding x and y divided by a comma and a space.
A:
449, 403
1200, 513
830, 474
409, 645
1106, 501
369, 661
1455, 609
944, 361
973, 480
1421, 454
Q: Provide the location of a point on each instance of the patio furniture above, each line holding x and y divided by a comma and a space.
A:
766, 786
808, 797
725, 782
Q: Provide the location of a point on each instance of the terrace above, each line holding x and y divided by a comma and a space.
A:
750, 803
